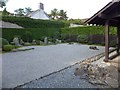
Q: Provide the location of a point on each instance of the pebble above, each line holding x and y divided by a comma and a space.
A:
62, 79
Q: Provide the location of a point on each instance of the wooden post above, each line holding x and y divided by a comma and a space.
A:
118, 40
106, 41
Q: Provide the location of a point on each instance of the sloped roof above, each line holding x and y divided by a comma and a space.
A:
33, 12
111, 11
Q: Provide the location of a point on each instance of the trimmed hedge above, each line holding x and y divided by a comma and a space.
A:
34, 23
87, 30
8, 48
31, 33
3, 42
82, 38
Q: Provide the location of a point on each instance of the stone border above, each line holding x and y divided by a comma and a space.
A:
19, 49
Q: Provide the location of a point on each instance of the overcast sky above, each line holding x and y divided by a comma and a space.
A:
75, 8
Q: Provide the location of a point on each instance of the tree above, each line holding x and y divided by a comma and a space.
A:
27, 10
63, 15
54, 14
23, 11
3, 3
20, 11
60, 15
76, 21
5, 12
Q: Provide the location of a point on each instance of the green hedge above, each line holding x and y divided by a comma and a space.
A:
3, 42
32, 33
87, 30
8, 48
33, 23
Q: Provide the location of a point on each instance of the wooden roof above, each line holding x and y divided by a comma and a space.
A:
111, 12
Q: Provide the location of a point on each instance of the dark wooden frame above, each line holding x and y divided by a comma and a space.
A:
108, 16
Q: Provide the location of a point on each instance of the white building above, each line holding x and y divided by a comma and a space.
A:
39, 14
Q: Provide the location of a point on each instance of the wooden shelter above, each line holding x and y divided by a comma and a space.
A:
108, 16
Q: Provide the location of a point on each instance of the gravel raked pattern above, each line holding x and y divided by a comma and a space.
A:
22, 67
62, 79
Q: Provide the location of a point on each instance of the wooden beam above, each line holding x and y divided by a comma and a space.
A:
118, 39
106, 41
110, 16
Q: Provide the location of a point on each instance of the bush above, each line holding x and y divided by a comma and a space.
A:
82, 38
90, 42
3, 42
113, 43
103, 43
8, 48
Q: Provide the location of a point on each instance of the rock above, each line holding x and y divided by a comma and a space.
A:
93, 47
16, 41
111, 82
45, 40
41, 42
34, 42
81, 72
96, 81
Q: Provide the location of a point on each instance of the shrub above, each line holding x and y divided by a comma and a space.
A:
103, 43
112, 43
90, 42
82, 38
8, 48
3, 42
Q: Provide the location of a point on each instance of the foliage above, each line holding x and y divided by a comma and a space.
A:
31, 33
112, 43
5, 12
87, 30
54, 13
27, 10
82, 38
33, 23
8, 48
20, 11
28, 36
76, 21
62, 15
3, 3
3, 42
58, 15
23, 11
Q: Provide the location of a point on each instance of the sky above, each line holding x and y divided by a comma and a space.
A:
76, 9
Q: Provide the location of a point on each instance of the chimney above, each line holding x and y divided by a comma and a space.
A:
41, 6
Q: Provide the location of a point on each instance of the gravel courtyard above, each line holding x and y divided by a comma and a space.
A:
21, 67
